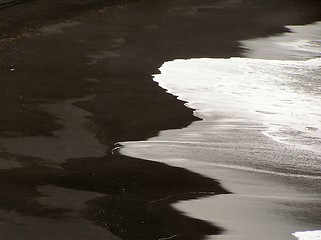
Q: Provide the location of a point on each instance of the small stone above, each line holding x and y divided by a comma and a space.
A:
11, 68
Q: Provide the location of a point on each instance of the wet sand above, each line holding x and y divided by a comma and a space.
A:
265, 204
80, 87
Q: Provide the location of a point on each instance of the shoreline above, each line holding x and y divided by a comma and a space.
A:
124, 48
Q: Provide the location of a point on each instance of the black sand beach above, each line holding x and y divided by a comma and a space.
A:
76, 79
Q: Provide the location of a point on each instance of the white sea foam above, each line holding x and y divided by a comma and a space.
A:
308, 235
284, 96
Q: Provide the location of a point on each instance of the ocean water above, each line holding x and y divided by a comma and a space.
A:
260, 113
300, 43
278, 97
282, 93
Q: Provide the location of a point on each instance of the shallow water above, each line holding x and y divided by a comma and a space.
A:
302, 42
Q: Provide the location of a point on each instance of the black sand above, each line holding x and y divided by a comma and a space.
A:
108, 56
